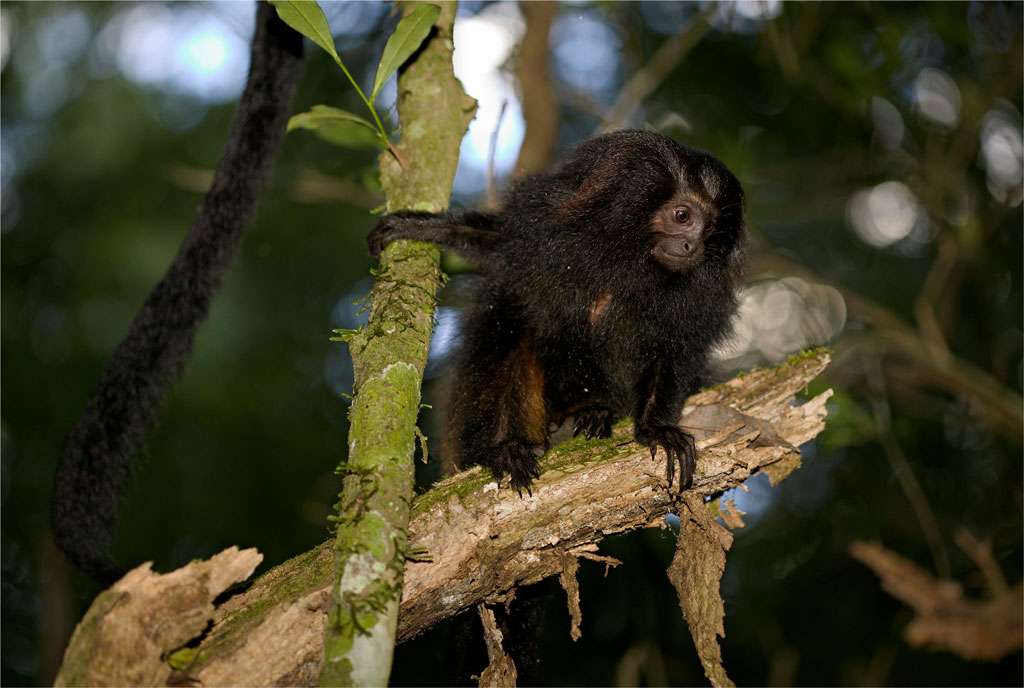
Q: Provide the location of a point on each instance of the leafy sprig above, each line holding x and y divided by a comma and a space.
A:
334, 124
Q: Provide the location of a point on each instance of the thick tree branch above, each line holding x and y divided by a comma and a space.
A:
471, 542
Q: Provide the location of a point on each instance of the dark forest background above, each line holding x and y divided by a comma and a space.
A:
880, 148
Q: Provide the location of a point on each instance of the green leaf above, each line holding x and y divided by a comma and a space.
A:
407, 37
306, 17
338, 127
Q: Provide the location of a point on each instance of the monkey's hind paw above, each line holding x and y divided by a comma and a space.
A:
519, 461
679, 447
594, 422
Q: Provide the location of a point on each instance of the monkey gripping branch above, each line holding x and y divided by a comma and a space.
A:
470, 543
691, 219
390, 353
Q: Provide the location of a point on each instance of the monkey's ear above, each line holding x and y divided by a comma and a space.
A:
597, 186
619, 176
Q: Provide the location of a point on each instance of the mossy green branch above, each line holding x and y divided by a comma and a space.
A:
389, 356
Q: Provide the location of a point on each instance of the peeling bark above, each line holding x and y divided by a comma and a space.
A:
142, 617
696, 572
567, 578
501, 670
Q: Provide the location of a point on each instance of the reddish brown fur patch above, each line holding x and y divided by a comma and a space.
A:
535, 417
512, 401
597, 308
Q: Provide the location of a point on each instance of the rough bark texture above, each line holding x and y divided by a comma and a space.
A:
388, 358
471, 543
696, 572
129, 628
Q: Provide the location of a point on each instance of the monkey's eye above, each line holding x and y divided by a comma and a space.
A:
682, 215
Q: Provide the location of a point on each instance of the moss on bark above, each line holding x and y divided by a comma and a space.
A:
389, 356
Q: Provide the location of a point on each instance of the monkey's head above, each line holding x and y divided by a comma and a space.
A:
703, 215
640, 190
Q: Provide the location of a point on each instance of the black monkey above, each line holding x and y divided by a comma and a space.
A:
605, 284
96, 467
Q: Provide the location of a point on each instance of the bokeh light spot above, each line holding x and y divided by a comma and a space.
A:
884, 214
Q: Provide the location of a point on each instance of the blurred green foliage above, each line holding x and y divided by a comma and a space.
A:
99, 191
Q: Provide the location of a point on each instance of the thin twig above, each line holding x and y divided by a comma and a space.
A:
398, 156
924, 305
492, 150
662, 63
905, 474
980, 552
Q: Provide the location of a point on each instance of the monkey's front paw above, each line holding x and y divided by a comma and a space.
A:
380, 236
678, 445
518, 460
389, 228
594, 423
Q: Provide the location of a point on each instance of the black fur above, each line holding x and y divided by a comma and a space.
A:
605, 285
96, 467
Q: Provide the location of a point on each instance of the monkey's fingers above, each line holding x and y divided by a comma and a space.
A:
670, 459
679, 447
515, 483
519, 460
687, 462
584, 423
518, 483
380, 236
376, 240
686, 477
594, 423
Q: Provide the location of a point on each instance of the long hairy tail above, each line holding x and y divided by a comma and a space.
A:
97, 464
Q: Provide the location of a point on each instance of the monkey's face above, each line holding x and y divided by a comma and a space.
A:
680, 228
702, 218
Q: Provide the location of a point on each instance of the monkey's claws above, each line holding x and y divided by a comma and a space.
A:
594, 423
679, 447
518, 460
